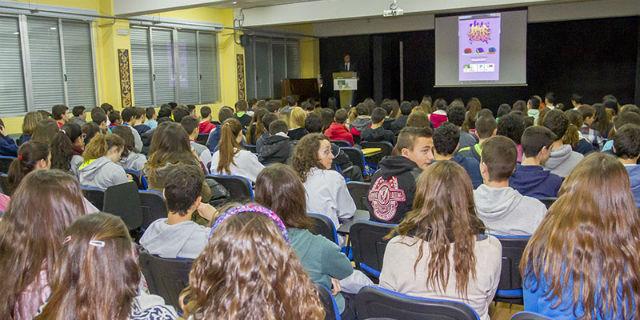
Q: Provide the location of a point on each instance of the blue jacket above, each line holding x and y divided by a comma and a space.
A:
634, 177
535, 182
472, 166
214, 138
8, 147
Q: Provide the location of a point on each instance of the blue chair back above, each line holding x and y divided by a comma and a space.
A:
368, 245
94, 195
386, 147
525, 315
510, 285
324, 226
356, 157
359, 191
377, 302
5, 162
329, 303
341, 143
153, 206
239, 187
165, 277
123, 201
138, 178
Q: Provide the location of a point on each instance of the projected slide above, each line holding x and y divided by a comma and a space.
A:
479, 47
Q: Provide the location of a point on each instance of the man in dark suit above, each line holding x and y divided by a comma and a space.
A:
348, 65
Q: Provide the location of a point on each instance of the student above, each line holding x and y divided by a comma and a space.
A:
180, 112
280, 189
191, 126
362, 120
533, 108
456, 116
152, 117
106, 107
29, 124
439, 116
130, 119
8, 146
138, 121
486, 127
45, 131
602, 121
622, 119
256, 128
445, 142
443, 224
327, 192
33, 155
296, 124
567, 268
32, 229
574, 137
79, 116
100, 168
401, 121
177, 236
377, 132
562, 159
530, 177
60, 113
241, 113
114, 119
214, 136
503, 209
593, 136
550, 101
249, 242
503, 110
626, 146
230, 157
67, 147
267, 119
338, 130
576, 101
473, 108
99, 118
97, 275
512, 127
418, 119
278, 146
130, 160
205, 125
394, 184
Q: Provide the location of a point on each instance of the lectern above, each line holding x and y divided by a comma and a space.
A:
347, 83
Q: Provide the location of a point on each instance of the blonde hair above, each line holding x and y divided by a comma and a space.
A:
100, 144
297, 118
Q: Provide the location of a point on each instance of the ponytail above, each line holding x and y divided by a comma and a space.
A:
61, 152
228, 146
28, 155
571, 136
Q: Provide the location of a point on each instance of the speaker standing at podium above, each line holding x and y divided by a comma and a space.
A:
347, 65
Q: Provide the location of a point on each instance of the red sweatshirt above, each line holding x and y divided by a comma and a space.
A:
338, 131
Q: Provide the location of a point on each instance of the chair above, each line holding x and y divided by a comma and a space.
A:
368, 245
123, 201
510, 285
356, 157
341, 143
239, 187
323, 226
153, 206
138, 178
165, 277
359, 191
202, 138
525, 315
94, 195
377, 302
386, 147
329, 303
4, 184
548, 201
5, 162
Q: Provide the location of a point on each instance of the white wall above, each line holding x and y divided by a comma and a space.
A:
138, 7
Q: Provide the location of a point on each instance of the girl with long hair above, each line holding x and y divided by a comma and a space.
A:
296, 123
32, 155
602, 121
327, 192
31, 234
100, 169
439, 250
45, 130
249, 271
29, 124
67, 147
256, 128
131, 160
97, 275
582, 261
230, 157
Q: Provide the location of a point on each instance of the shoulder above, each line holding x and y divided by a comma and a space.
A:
490, 245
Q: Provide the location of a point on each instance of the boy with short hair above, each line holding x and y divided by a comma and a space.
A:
206, 126
241, 113
130, 119
177, 236
405, 110
533, 108
114, 119
338, 130
503, 209
190, 124
445, 142
456, 114
377, 132
152, 117
138, 119
530, 177
277, 147
626, 146
79, 117
100, 118
562, 159
486, 127
267, 119
214, 136
393, 186
60, 113
362, 122
592, 135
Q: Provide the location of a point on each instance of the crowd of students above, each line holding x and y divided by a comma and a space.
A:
457, 179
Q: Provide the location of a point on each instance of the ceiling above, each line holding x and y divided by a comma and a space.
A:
254, 3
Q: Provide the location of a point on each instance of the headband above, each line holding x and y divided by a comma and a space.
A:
255, 209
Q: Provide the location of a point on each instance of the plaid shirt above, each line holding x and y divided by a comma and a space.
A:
593, 136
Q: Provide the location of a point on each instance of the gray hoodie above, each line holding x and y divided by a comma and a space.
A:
505, 211
183, 240
102, 173
134, 161
563, 160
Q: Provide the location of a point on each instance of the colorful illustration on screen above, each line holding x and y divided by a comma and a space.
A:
479, 31
468, 51
492, 50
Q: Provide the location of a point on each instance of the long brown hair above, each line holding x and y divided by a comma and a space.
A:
256, 129
280, 189
31, 231
444, 218
590, 237
169, 145
30, 122
305, 154
228, 145
28, 156
248, 271
97, 274
45, 130
101, 144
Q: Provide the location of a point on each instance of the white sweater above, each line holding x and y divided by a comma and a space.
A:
246, 165
327, 194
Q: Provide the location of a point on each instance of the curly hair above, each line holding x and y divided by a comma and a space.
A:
305, 155
248, 271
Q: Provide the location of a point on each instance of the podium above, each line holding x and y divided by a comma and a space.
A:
347, 83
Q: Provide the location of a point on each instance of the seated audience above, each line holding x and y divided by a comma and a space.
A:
503, 110
32, 229
190, 125
214, 136
439, 116
177, 236
533, 108
250, 242
114, 119
362, 120
327, 192
574, 137
97, 275
377, 133
401, 121
622, 119
456, 115
296, 123
139, 124
99, 118
473, 108
439, 250
79, 116
230, 157
267, 119
338, 130
241, 113
100, 168
45, 131
8, 146
60, 113
67, 147
626, 146
530, 177
32, 155
602, 122
205, 126
503, 209
29, 124
278, 146
562, 158
592, 135
130, 160
256, 128
486, 127
152, 117
512, 127
393, 186
445, 143
129, 119
180, 112
568, 267
418, 119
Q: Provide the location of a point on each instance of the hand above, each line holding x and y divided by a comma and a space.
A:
207, 211
335, 284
